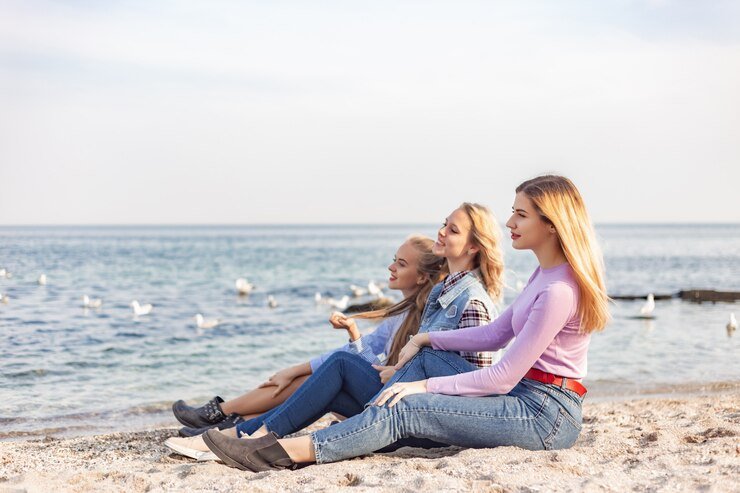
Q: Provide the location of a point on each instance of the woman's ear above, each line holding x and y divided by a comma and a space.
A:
473, 250
421, 279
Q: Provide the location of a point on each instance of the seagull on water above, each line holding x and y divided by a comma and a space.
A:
42, 280
206, 323
732, 324
373, 289
272, 302
4, 299
3, 272
91, 303
145, 309
339, 305
357, 291
243, 286
647, 309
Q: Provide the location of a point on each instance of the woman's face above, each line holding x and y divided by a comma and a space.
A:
453, 238
528, 229
405, 269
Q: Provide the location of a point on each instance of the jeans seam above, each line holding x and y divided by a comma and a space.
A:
316, 450
549, 439
479, 415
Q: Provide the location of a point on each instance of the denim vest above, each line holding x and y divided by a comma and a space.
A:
445, 312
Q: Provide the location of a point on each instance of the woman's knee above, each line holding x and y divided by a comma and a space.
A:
436, 361
340, 357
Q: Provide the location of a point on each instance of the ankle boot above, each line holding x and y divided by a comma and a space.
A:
251, 454
198, 417
231, 421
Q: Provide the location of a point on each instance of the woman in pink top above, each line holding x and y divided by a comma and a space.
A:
531, 398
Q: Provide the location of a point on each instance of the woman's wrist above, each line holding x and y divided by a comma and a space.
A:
353, 332
300, 370
420, 340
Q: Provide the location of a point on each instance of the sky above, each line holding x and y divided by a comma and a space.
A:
238, 112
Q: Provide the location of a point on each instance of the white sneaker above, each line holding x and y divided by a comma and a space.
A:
206, 456
183, 447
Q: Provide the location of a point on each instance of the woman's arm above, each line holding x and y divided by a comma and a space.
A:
489, 337
368, 346
548, 315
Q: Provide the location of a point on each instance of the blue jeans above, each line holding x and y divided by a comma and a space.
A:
533, 416
342, 384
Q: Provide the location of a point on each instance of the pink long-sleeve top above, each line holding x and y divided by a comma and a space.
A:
545, 325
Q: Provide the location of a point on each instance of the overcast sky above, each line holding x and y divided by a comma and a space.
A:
352, 112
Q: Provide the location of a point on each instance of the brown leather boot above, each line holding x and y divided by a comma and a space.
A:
249, 454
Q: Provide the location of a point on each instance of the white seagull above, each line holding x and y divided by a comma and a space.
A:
243, 287
42, 280
145, 309
3, 272
373, 288
357, 291
272, 302
341, 304
4, 299
647, 309
732, 324
91, 303
204, 323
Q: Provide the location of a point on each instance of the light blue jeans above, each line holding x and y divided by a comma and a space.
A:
533, 416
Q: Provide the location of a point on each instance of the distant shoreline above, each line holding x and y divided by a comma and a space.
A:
334, 225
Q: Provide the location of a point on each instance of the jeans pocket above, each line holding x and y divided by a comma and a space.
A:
564, 432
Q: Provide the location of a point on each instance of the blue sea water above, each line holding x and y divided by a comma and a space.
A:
65, 369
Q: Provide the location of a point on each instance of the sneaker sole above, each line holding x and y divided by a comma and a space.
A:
208, 456
185, 451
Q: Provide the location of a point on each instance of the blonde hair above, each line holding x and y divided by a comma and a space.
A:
486, 235
433, 269
559, 203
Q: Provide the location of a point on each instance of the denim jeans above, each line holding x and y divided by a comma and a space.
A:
342, 384
533, 416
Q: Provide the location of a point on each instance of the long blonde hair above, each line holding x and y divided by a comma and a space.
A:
559, 203
486, 235
433, 269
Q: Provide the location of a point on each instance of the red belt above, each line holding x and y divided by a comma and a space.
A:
544, 377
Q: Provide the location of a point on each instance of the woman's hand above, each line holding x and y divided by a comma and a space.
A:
411, 348
281, 379
339, 320
399, 390
386, 372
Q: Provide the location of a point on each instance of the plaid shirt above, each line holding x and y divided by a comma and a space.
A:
475, 314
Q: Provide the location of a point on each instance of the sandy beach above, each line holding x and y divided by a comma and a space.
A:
686, 443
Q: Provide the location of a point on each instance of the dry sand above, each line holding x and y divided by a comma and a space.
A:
675, 444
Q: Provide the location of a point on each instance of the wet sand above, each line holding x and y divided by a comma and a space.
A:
688, 443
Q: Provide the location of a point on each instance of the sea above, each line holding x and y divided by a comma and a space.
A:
67, 370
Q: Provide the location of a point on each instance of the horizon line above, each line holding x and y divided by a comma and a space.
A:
180, 225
